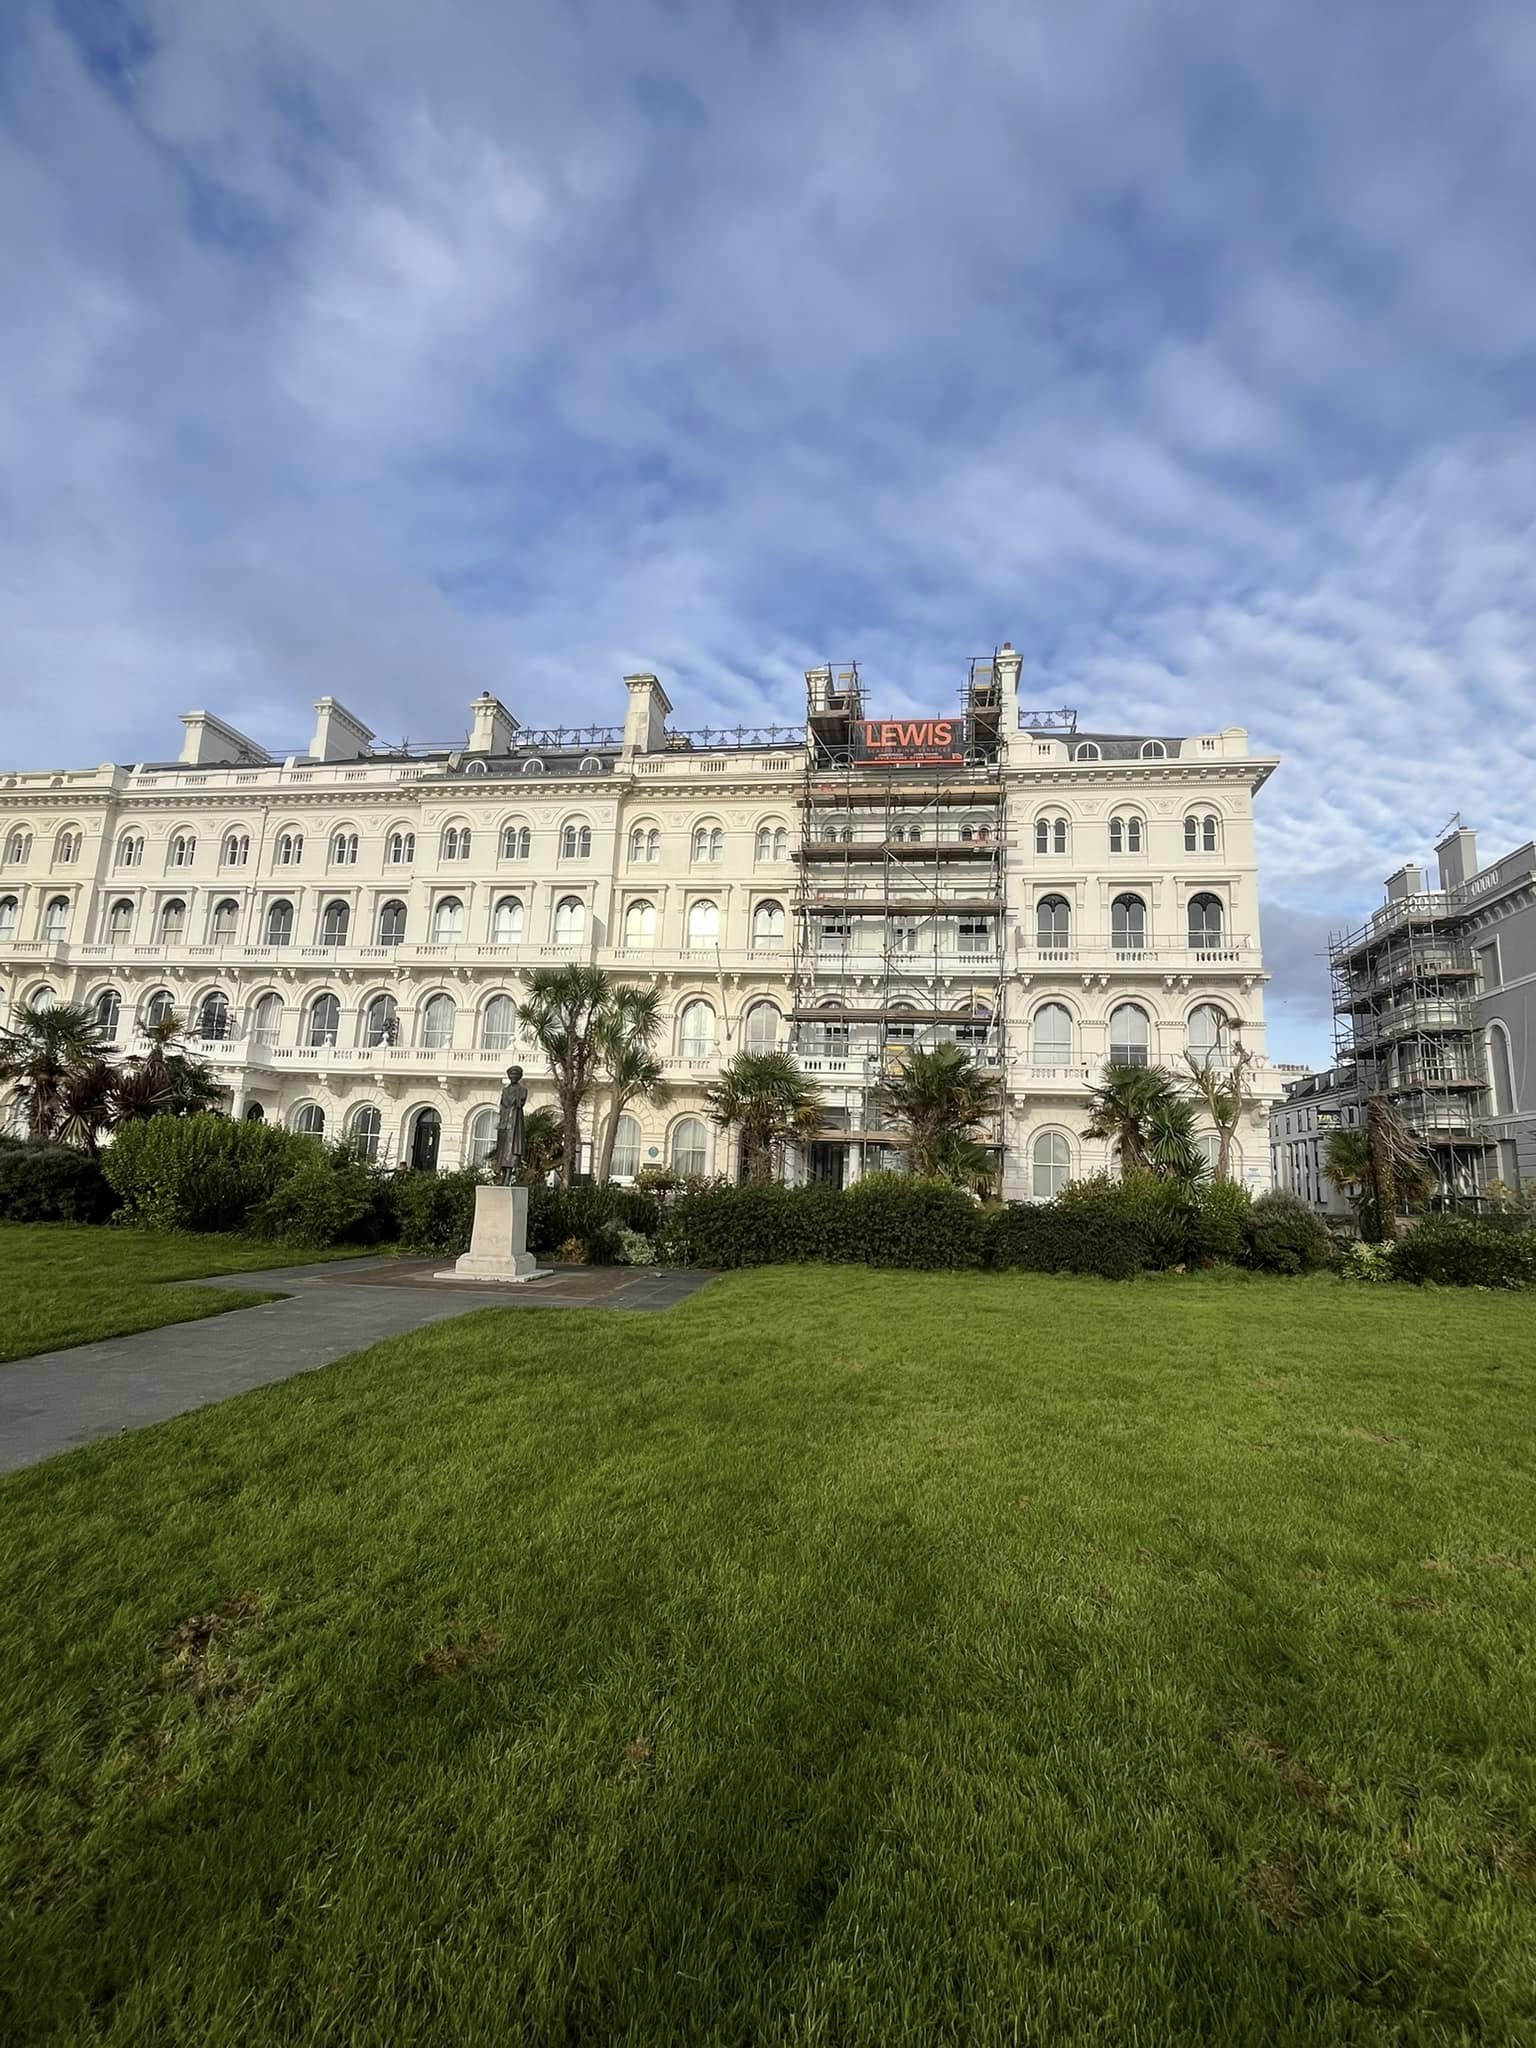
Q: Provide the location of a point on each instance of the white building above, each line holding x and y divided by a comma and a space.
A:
350, 928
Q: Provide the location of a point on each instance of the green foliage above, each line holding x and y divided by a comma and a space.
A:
895, 1219
200, 1172
773, 1104
761, 1224
335, 1199
52, 1184
940, 1097
435, 1212
632, 1248
1220, 1229
45, 1045
1285, 1236
594, 1214
1371, 1263
1054, 1237
1461, 1251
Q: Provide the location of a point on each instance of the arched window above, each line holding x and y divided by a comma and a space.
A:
119, 917
507, 921
56, 919
280, 922
267, 1021
1051, 835
381, 1021
498, 1023
447, 921
1125, 833
343, 849
254, 1113
1153, 750
183, 848
570, 921
160, 1006
762, 1033
324, 1021
626, 1149
1051, 1164
1204, 921
1210, 1035
828, 836
290, 849
645, 843
533, 766
213, 1015
107, 1009
1130, 1035
1500, 1071
977, 1020
309, 1120
1201, 833
768, 926
1053, 923
703, 923
1053, 1035
225, 922
480, 1145
516, 842
335, 924
401, 849
66, 848
772, 842
363, 1129
708, 842
391, 923
437, 1022
8, 911
640, 923
130, 850
456, 843
1128, 924
576, 842
42, 997
1088, 750
18, 848
173, 921
236, 850
696, 1031
690, 1148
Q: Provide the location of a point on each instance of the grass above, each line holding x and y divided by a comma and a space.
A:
840, 1658
65, 1284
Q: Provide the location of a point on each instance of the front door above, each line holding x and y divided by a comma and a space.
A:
424, 1136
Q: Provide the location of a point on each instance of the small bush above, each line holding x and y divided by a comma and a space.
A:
633, 1249
1372, 1263
1219, 1226
52, 1184
1285, 1236
893, 1219
572, 1253
334, 1200
435, 1212
591, 1213
200, 1172
1461, 1251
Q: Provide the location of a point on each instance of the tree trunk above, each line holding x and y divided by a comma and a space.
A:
570, 1135
610, 1138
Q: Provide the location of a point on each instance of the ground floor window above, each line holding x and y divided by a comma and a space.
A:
1051, 1163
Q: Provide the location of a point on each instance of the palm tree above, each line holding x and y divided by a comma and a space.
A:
47, 1046
1378, 1165
626, 1047
87, 1105
1168, 1139
167, 1080
1119, 1107
772, 1102
564, 1016
543, 1142
938, 1096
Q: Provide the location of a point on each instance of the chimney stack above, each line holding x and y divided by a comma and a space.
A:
210, 743
1408, 881
1457, 854
338, 735
645, 721
495, 729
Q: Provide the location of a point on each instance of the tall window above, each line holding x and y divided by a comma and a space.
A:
225, 922
703, 923
1500, 1071
772, 842
335, 924
516, 842
762, 1028
55, 919
640, 923
119, 917
1051, 1163
1053, 1035
696, 1031
447, 921
507, 921
645, 843
236, 850
290, 849
344, 850
570, 921
1201, 833
974, 935
381, 1021
309, 1118
455, 843
576, 842
130, 850
159, 1007
708, 842
183, 848
1128, 924
1130, 1034
18, 848
66, 848
401, 848
626, 1149
363, 1131
768, 926
690, 1147
437, 1022
1053, 922
9, 908
280, 922
391, 923
1204, 921
482, 1138
267, 1021
324, 1021
107, 1009
213, 1015
1051, 835
498, 1024
1210, 1035
173, 921
1125, 833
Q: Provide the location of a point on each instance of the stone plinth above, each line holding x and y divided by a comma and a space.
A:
498, 1248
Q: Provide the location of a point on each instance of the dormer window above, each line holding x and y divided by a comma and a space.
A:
1153, 750
1088, 751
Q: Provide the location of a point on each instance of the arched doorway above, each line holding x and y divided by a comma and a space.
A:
426, 1135
254, 1113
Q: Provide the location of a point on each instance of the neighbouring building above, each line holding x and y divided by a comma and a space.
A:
1311, 1109
350, 928
1435, 999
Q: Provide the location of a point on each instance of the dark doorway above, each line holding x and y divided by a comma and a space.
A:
255, 1114
826, 1164
425, 1133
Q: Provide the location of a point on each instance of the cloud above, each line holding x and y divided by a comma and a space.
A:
403, 354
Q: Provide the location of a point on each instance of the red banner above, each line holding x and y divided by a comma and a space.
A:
908, 739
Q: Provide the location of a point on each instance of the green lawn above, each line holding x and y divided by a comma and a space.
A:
63, 1284
840, 1658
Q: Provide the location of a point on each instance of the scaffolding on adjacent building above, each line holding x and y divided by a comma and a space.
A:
1403, 1022
899, 911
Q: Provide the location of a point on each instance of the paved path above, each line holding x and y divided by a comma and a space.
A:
61, 1399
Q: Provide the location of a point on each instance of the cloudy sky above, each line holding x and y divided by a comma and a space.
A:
403, 351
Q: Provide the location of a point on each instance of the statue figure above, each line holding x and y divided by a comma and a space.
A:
509, 1128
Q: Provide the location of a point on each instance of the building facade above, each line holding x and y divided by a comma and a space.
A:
1435, 999
1308, 1113
349, 929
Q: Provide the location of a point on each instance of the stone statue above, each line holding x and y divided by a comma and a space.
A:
509, 1128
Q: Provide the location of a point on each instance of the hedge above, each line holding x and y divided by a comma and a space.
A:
1046, 1238
1285, 1236
1462, 1251
52, 1184
201, 1172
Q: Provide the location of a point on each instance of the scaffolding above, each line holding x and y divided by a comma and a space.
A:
899, 909
1403, 988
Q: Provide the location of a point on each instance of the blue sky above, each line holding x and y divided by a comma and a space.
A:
403, 351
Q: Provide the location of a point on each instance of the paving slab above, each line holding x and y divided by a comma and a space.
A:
58, 1400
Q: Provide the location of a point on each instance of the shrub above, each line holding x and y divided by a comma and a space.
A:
593, 1214
1460, 1251
52, 1184
200, 1172
1219, 1230
332, 1200
1368, 1262
1163, 1214
1052, 1237
1285, 1236
894, 1219
572, 1253
435, 1212
761, 1224
632, 1249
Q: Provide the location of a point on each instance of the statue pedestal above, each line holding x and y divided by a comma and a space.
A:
498, 1247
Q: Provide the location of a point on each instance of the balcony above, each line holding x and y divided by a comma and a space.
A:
1164, 955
